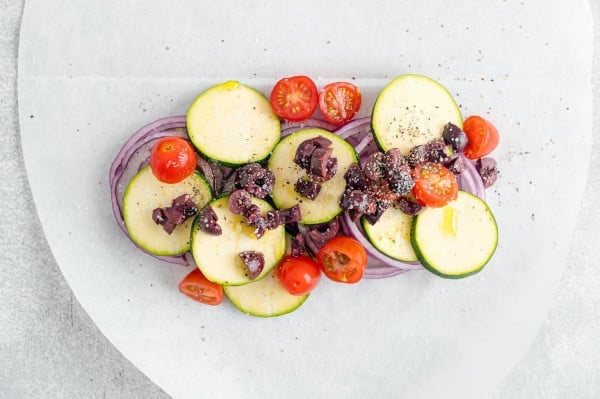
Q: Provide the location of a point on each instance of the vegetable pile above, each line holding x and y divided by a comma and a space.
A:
263, 195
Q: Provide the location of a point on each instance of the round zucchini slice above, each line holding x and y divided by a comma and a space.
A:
391, 234
264, 298
217, 256
456, 240
233, 124
326, 205
143, 194
412, 110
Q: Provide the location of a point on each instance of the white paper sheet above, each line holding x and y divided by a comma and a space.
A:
93, 74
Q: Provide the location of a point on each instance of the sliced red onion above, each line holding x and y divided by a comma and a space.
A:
312, 247
377, 269
134, 155
353, 230
288, 127
361, 146
470, 180
353, 127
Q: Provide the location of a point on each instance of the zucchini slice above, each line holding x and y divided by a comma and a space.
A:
456, 240
412, 110
233, 124
391, 234
326, 205
264, 298
217, 256
143, 194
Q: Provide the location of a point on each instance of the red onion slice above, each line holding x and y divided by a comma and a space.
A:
353, 231
354, 127
288, 127
470, 179
378, 270
134, 155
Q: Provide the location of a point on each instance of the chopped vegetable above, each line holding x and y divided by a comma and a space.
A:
254, 262
255, 179
180, 210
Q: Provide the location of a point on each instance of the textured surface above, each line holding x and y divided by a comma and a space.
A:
50, 348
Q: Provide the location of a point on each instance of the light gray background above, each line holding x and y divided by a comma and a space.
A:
49, 347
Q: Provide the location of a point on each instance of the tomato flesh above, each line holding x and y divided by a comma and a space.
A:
483, 137
294, 98
435, 185
172, 159
339, 102
298, 275
200, 289
343, 259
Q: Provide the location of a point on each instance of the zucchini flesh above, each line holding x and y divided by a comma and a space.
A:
391, 234
325, 206
412, 110
456, 240
233, 124
143, 194
264, 298
217, 256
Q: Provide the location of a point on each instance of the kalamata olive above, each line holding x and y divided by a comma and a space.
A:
454, 136
254, 262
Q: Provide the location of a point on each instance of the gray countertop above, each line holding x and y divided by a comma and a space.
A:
51, 348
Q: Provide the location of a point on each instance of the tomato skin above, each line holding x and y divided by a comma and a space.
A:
339, 102
298, 275
343, 259
294, 98
483, 137
200, 289
435, 185
172, 159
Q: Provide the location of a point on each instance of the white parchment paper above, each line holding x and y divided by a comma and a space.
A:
93, 73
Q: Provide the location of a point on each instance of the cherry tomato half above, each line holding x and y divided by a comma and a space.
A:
435, 185
299, 275
294, 98
339, 102
343, 259
197, 287
483, 137
172, 159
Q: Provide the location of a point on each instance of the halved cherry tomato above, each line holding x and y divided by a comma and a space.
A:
343, 259
483, 137
339, 102
172, 160
294, 98
299, 275
435, 185
197, 287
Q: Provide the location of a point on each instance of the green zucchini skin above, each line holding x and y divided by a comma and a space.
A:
264, 298
391, 234
325, 206
217, 256
483, 234
143, 194
412, 110
233, 124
